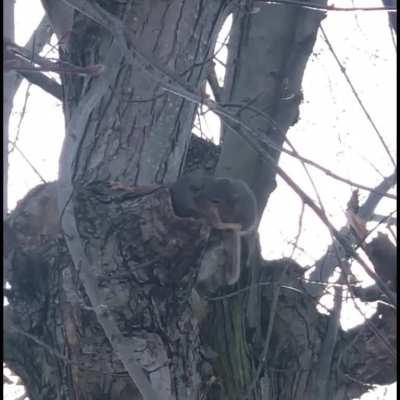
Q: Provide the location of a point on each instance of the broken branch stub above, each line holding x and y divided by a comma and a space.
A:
132, 235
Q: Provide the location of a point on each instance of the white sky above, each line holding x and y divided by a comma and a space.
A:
332, 131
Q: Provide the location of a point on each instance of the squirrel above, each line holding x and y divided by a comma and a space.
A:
228, 205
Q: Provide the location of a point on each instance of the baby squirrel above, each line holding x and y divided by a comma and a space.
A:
227, 204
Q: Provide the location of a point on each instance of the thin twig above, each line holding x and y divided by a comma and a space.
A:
296, 240
249, 287
307, 199
388, 219
21, 118
338, 236
394, 236
327, 284
357, 96
303, 159
50, 86
254, 142
326, 264
320, 7
58, 355
29, 163
37, 41
167, 79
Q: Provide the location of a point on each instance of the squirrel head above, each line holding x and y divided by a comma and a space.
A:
234, 200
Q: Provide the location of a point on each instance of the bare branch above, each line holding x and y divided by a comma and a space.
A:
295, 154
48, 85
325, 266
8, 96
29, 163
12, 81
392, 16
40, 37
387, 219
33, 75
315, 6
22, 397
18, 58
300, 225
367, 209
21, 118
11, 328
61, 19
341, 239
213, 82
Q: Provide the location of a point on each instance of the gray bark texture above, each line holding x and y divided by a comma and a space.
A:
103, 301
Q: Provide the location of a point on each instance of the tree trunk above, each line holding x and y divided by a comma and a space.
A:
122, 275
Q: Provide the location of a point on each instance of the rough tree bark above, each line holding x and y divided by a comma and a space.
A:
119, 273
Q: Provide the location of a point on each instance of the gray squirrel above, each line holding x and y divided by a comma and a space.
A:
227, 204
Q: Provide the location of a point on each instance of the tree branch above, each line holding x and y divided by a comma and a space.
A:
40, 37
48, 85
26, 70
383, 218
8, 96
325, 266
392, 15
320, 7
213, 82
61, 18
121, 345
12, 81
295, 154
